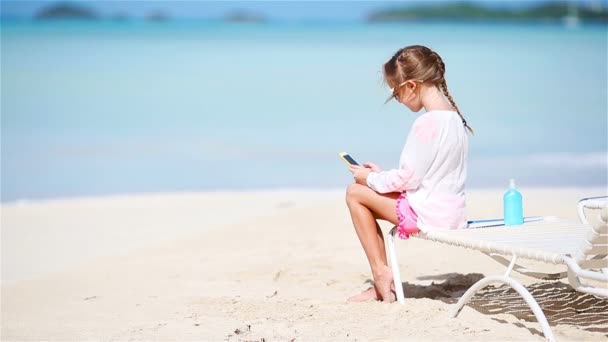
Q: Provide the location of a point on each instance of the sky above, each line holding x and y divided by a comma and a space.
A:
303, 9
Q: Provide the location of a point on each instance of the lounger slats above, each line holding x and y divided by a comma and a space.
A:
547, 241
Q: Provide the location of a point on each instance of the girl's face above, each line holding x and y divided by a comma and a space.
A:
408, 94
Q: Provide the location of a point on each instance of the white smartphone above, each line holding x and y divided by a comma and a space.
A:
347, 158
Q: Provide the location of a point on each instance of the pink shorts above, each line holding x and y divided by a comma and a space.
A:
407, 217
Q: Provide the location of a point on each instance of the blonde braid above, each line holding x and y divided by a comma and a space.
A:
443, 86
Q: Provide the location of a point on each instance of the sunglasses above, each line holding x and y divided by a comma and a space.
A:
395, 94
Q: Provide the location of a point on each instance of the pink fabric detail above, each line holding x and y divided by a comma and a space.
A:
404, 176
446, 211
408, 219
426, 129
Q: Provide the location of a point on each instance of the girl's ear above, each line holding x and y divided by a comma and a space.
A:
412, 85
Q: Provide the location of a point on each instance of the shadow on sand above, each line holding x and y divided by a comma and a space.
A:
561, 304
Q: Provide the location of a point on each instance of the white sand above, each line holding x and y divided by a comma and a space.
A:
237, 266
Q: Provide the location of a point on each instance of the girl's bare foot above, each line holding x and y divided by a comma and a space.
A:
364, 296
382, 282
372, 293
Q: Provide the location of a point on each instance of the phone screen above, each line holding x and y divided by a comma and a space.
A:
349, 159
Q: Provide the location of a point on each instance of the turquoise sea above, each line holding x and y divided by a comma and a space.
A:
125, 107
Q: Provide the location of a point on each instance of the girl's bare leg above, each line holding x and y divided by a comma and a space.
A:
371, 293
365, 207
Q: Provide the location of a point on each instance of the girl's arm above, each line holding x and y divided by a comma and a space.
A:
419, 152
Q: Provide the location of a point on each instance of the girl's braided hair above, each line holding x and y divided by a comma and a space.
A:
417, 62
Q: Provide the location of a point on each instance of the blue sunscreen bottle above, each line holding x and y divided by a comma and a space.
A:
513, 206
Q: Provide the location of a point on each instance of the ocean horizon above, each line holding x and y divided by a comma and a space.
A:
97, 108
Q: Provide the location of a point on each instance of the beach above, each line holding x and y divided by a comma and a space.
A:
256, 265
170, 170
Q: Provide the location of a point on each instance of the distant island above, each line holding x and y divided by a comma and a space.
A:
66, 11
549, 11
157, 16
243, 16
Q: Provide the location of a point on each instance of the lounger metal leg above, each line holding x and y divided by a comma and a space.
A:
523, 292
395, 266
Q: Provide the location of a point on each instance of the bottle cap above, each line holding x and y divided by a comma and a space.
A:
512, 183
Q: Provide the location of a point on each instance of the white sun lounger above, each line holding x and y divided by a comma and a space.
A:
581, 247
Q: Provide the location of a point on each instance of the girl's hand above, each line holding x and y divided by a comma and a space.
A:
360, 174
372, 166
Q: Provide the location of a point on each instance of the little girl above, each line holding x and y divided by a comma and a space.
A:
426, 192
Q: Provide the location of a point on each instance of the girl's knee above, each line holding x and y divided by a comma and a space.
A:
353, 192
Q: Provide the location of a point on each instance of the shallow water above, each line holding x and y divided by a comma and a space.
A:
96, 108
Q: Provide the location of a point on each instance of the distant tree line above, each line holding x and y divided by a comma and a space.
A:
471, 11
69, 11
